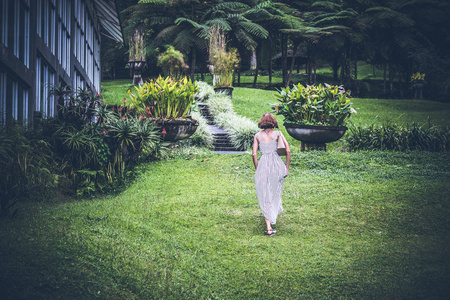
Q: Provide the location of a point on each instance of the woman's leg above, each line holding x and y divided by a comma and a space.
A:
269, 227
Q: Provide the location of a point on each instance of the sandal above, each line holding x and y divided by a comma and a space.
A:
270, 232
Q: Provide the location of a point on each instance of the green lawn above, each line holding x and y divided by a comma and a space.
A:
370, 225
363, 225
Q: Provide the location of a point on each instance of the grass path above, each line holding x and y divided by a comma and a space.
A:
356, 225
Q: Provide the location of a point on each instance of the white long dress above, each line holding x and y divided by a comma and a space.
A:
269, 178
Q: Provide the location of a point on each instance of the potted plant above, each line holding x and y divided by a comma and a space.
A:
172, 63
417, 81
222, 62
314, 115
168, 103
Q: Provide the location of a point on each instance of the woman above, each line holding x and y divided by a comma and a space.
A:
270, 170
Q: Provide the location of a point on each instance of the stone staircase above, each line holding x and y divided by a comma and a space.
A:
204, 111
222, 140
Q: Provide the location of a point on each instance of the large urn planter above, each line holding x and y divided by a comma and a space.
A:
315, 137
175, 130
225, 89
136, 68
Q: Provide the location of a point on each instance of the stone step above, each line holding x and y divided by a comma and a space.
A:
221, 141
225, 149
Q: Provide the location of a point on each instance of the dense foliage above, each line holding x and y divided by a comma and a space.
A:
391, 136
314, 105
401, 37
164, 98
87, 148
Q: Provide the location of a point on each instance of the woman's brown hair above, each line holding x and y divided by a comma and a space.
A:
268, 121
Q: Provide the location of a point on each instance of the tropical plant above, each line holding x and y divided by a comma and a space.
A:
314, 105
164, 98
392, 136
223, 62
417, 78
172, 63
26, 168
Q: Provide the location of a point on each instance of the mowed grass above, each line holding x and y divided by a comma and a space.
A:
369, 225
363, 225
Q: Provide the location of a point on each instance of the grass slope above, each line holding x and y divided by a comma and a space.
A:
356, 225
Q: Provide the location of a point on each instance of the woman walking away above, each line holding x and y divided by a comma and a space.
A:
270, 170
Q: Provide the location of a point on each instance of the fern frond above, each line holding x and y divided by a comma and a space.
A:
246, 39
222, 23
167, 33
227, 6
184, 41
157, 2
180, 21
254, 29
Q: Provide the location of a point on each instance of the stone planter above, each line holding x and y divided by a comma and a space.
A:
136, 68
315, 137
225, 89
176, 130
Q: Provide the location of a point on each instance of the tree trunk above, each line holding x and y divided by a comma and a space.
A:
193, 62
384, 80
239, 77
270, 62
315, 71
284, 58
391, 79
253, 61
294, 51
258, 58
356, 76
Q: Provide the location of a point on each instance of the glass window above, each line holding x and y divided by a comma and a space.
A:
25, 106
17, 28
38, 84
4, 22
39, 17
45, 79
26, 43
2, 98
15, 100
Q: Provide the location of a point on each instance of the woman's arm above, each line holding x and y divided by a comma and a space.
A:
255, 151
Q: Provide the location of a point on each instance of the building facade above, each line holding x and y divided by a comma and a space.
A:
45, 43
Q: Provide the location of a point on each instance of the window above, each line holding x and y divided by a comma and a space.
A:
25, 106
4, 22
45, 79
64, 20
26, 43
15, 100
2, 98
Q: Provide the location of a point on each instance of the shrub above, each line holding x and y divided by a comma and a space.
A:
240, 129
391, 136
94, 150
219, 103
26, 168
164, 98
204, 91
314, 105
